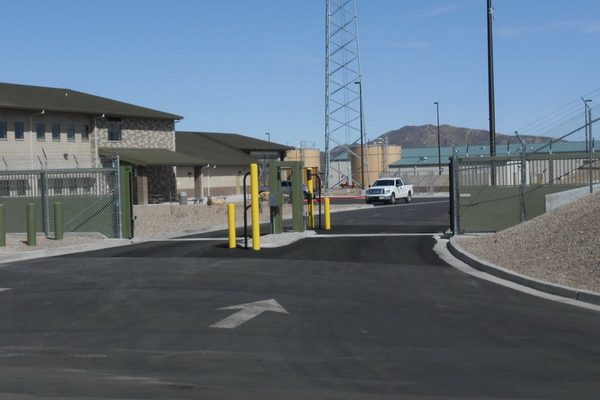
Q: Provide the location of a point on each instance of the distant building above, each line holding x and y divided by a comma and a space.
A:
420, 167
227, 159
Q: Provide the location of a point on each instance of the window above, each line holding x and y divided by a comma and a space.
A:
57, 185
85, 133
40, 131
114, 129
56, 132
3, 130
70, 132
19, 130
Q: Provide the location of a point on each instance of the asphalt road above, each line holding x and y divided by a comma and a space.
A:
372, 316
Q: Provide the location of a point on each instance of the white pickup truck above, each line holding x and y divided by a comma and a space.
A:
389, 190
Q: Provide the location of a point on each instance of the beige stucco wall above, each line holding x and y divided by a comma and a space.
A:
27, 153
23, 154
219, 181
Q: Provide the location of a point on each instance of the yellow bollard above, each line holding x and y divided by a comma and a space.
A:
311, 206
231, 224
327, 215
255, 206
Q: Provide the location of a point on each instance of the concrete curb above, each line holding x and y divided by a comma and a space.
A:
59, 251
503, 273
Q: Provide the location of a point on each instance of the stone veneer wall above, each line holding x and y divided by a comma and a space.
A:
162, 183
139, 133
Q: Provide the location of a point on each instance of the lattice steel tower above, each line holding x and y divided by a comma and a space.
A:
344, 117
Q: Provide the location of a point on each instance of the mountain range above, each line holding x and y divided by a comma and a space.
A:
426, 136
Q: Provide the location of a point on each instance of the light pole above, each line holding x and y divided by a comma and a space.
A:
268, 136
437, 108
362, 144
491, 101
586, 114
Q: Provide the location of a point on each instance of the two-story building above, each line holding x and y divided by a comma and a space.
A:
55, 128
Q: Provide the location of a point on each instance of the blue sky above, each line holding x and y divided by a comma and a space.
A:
256, 66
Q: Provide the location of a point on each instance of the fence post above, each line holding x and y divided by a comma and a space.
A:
118, 205
523, 183
2, 226
591, 138
58, 221
453, 183
44, 192
31, 231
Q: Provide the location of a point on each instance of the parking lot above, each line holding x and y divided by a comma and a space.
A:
365, 311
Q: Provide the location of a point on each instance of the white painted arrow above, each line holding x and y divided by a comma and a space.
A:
247, 312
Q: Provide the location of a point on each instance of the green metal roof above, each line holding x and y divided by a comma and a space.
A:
24, 97
199, 145
243, 143
146, 157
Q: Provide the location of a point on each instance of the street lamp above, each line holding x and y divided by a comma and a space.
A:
437, 107
362, 148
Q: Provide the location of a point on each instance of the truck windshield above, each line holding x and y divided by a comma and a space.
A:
385, 182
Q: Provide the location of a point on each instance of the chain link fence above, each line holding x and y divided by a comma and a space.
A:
491, 194
90, 199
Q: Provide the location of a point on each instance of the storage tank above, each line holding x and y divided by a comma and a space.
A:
310, 157
377, 158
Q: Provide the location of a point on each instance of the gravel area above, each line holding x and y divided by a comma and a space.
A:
561, 246
163, 220
16, 243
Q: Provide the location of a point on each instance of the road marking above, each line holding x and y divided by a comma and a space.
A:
424, 203
247, 312
341, 235
3, 289
184, 240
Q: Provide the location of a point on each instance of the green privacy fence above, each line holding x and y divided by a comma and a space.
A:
492, 194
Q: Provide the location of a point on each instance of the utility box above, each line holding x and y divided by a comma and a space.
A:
183, 198
276, 195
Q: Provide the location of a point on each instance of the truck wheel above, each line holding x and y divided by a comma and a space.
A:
408, 198
369, 201
393, 199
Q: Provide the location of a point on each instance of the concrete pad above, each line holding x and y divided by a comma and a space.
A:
282, 239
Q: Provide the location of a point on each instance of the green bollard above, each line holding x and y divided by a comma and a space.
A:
2, 226
58, 221
31, 233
